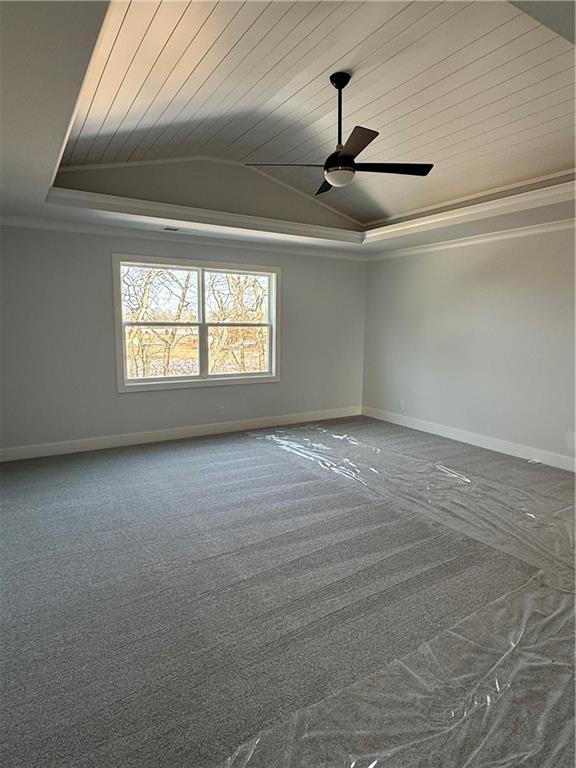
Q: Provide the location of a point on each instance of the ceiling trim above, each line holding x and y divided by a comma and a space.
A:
513, 189
557, 16
559, 193
204, 221
184, 237
143, 214
472, 201
107, 230
219, 160
137, 163
505, 234
496, 193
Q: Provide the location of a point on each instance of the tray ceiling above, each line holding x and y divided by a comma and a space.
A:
480, 89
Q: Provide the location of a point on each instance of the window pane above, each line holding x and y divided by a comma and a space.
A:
236, 298
162, 351
237, 350
156, 293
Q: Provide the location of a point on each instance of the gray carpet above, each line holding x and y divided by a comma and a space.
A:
163, 603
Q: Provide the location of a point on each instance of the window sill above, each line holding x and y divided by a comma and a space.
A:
146, 386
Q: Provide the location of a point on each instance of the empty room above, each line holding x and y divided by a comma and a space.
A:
287, 384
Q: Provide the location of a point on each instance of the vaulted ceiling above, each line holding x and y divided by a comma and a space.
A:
480, 89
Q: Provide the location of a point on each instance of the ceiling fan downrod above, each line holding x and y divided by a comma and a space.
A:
340, 80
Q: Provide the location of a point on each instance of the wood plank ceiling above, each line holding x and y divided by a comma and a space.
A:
480, 89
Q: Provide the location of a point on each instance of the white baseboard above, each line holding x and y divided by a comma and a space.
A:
175, 433
178, 433
483, 441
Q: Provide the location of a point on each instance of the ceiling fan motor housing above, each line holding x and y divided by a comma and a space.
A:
339, 169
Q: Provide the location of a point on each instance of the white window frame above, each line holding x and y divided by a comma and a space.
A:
203, 379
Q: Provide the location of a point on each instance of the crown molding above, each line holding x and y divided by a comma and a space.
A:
141, 163
207, 158
537, 183
203, 221
524, 201
495, 193
106, 214
506, 234
110, 209
188, 238
103, 230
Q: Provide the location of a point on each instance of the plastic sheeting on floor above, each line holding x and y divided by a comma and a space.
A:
494, 691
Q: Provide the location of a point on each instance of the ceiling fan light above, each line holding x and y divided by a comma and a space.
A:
339, 177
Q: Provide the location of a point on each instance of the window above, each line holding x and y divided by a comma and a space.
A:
185, 324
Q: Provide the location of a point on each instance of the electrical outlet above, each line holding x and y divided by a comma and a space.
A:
401, 405
222, 411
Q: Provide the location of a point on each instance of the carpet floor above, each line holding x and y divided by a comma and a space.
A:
163, 603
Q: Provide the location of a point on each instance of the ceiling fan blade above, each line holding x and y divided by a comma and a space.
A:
324, 187
408, 169
286, 165
358, 141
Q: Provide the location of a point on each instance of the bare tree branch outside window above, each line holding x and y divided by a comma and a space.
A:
237, 298
162, 320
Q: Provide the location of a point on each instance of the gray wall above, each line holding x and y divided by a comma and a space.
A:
477, 337
58, 359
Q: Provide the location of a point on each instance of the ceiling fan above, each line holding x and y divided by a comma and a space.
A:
340, 167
